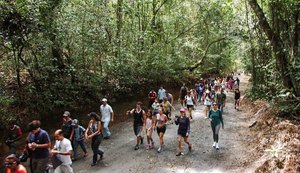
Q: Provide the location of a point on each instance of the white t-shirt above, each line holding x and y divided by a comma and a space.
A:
64, 146
189, 100
105, 112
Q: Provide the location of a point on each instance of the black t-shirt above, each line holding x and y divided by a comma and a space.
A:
138, 118
237, 95
67, 129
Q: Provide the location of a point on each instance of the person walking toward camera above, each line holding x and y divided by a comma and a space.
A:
216, 120
107, 116
12, 164
14, 135
93, 132
62, 150
38, 144
183, 130
78, 138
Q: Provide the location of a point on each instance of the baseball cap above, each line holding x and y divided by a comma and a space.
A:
74, 122
182, 110
66, 114
104, 100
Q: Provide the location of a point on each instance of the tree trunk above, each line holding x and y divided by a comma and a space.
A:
277, 44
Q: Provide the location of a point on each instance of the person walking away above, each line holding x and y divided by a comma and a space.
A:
14, 135
182, 93
237, 96
107, 115
183, 130
138, 122
93, 132
152, 96
161, 94
62, 150
12, 164
221, 100
67, 126
216, 119
207, 101
189, 103
78, 139
38, 144
149, 124
161, 120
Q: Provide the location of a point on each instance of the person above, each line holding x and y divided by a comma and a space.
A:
107, 115
155, 107
216, 119
189, 99
12, 164
161, 120
62, 149
138, 116
194, 96
182, 94
221, 99
152, 96
14, 135
207, 101
67, 126
93, 132
237, 82
183, 130
200, 89
237, 96
38, 144
161, 94
149, 123
167, 106
78, 139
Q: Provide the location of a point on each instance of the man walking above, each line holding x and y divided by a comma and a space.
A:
107, 115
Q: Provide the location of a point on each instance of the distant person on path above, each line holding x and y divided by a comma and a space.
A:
107, 115
237, 96
200, 90
189, 99
152, 96
67, 126
62, 150
207, 101
182, 93
149, 124
161, 120
183, 130
12, 164
161, 94
216, 119
138, 121
38, 144
14, 135
167, 106
221, 100
93, 132
78, 139
155, 107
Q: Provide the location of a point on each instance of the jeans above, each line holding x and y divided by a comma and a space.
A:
39, 165
106, 132
96, 141
76, 144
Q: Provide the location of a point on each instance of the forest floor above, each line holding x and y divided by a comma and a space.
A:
235, 154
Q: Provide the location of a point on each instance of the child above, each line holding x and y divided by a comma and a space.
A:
78, 138
149, 124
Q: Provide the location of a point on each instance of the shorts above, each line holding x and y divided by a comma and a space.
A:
182, 134
190, 106
161, 129
138, 130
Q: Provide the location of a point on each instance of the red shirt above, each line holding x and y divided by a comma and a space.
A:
19, 169
152, 95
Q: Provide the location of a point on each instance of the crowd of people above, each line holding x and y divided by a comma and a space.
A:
211, 93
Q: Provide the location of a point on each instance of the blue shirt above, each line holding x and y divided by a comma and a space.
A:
41, 137
78, 133
184, 125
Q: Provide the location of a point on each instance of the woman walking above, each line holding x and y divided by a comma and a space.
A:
149, 123
216, 119
93, 132
207, 101
189, 99
237, 96
161, 120
183, 130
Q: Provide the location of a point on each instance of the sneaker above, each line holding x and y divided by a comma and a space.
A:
190, 147
93, 164
159, 150
101, 155
214, 145
136, 147
179, 154
217, 146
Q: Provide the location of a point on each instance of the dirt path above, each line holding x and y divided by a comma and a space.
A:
120, 155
